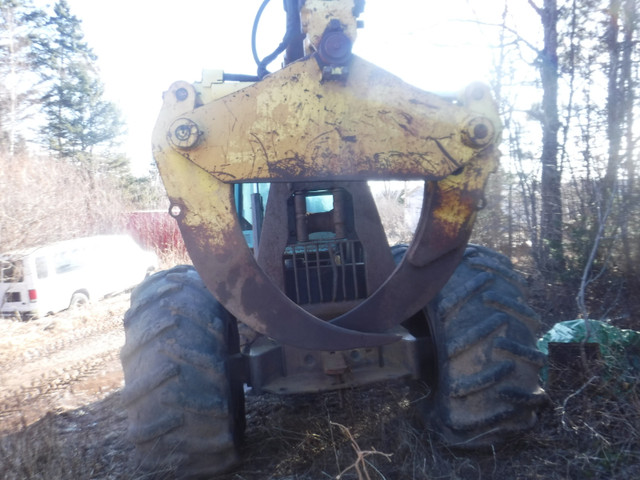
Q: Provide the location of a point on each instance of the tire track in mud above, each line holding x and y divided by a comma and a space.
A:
65, 343
67, 362
57, 380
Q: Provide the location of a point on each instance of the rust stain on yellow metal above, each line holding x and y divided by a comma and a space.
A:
293, 126
470, 183
212, 207
209, 226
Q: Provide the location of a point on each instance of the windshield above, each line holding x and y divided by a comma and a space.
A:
11, 271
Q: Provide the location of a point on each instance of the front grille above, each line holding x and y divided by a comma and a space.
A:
325, 271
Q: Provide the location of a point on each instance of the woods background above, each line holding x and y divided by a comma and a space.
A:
564, 205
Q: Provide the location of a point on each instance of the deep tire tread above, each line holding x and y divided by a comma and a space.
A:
141, 337
508, 305
139, 301
208, 364
524, 353
484, 379
449, 305
487, 361
207, 404
185, 413
501, 269
488, 421
141, 386
150, 432
475, 252
519, 396
475, 334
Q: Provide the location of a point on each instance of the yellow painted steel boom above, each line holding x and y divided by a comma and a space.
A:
333, 118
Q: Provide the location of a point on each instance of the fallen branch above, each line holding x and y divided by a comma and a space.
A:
360, 464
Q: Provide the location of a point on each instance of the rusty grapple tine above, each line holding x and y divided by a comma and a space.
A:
227, 267
200, 147
218, 248
437, 248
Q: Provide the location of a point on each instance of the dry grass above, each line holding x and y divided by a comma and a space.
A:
44, 200
87, 443
588, 431
370, 433
171, 258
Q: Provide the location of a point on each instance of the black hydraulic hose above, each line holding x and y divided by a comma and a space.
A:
295, 49
292, 33
239, 77
254, 31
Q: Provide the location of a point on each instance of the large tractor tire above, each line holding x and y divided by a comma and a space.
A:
487, 384
186, 412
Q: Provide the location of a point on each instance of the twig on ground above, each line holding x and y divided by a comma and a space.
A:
577, 392
360, 465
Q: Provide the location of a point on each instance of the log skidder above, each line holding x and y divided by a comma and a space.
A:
267, 179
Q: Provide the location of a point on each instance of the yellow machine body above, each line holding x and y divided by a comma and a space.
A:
314, 121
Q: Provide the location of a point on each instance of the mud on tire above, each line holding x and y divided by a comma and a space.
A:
487, 384
186, 413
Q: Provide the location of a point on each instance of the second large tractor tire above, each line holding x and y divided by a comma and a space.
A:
488, 365
485, 387
186, 412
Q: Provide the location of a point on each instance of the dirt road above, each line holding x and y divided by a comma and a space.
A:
59, 363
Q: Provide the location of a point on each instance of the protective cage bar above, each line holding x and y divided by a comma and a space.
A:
325, 272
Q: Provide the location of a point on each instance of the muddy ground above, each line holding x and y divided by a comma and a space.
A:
61, 418
59, 363
60, 378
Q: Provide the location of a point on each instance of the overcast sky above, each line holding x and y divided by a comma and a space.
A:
143, 46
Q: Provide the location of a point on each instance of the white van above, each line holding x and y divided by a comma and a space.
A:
47, 279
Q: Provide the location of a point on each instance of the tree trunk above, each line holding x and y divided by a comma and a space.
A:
629, 200
614, 101
551, 253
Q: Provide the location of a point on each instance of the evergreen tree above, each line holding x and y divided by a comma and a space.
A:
18, 93
80, 123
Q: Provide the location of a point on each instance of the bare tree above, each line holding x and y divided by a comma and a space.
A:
46, 200
629, 86
551, 252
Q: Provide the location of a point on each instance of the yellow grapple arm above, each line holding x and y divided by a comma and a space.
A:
329, 116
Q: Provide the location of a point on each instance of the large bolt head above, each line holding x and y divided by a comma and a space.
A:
184, 134
478, 132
